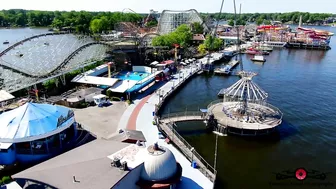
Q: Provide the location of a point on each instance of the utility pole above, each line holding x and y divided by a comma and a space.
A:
215, 160
238, 40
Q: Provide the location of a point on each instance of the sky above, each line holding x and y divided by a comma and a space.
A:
143, 6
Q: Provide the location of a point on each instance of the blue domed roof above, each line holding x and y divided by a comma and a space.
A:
34, 121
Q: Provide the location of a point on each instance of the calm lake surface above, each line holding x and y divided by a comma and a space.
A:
302, 84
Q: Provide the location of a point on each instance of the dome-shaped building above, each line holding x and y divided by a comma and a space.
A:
34, 132
160, 169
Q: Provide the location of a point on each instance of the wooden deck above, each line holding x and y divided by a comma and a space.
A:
188, 151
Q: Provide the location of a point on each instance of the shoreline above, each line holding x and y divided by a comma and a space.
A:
141, 115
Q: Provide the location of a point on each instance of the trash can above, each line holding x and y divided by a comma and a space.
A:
193, 164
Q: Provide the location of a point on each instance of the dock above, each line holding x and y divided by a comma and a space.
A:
228, 68
308, 46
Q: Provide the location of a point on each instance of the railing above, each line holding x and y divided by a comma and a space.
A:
181, 114
263, 103
239, 124
167, 93
192, 155
213, 103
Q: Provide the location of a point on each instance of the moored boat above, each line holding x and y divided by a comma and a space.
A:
226, 69
258, 58
5, 42
252, 51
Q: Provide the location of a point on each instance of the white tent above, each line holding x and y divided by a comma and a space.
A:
4, 96
34, 121
154, 63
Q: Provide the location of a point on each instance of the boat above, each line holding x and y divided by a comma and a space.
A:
252, 51
277, 44
46, 43
264, 47
5, 42
258, 58
226, 69
265, 52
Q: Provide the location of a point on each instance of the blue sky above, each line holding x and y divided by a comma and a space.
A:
143, 6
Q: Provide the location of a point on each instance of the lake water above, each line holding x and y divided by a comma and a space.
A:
302, 84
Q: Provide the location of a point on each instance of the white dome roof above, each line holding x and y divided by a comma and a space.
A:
159, 164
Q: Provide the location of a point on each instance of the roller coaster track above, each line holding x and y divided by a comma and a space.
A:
28, 39
63, 63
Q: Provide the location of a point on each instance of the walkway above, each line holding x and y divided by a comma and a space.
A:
141, 116
131, 124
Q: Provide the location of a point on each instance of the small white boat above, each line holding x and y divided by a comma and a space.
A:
258, 58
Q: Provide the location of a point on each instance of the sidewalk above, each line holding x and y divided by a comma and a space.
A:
141, 115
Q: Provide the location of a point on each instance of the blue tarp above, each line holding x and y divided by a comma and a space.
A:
33, 121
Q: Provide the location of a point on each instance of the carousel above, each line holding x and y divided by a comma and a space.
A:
244, 109
35, 132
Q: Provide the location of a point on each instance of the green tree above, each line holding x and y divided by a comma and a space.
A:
231, 22
57, 23
201, 49
151, 23
267, 22
241, 22
182, 36
259, 21
197, 28
96, 26
212, 43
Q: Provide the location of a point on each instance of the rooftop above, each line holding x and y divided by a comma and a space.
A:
88, 163
4, 96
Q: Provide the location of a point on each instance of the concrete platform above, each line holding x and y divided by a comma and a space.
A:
224, 113
101, 122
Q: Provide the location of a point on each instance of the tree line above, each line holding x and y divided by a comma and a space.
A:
81, 22
309, 18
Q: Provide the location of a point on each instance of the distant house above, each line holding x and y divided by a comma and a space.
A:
198, 39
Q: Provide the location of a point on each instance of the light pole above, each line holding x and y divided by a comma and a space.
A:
128, 97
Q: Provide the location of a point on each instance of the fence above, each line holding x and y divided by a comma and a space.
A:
185, 114
189, 152
164, 96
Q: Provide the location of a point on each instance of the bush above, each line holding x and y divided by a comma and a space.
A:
6, 180
109, 94
128, 102
114, 98
154, 123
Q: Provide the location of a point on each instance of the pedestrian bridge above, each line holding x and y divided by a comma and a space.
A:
182, 116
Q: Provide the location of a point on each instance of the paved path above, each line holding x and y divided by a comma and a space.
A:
131, 124
141, 117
